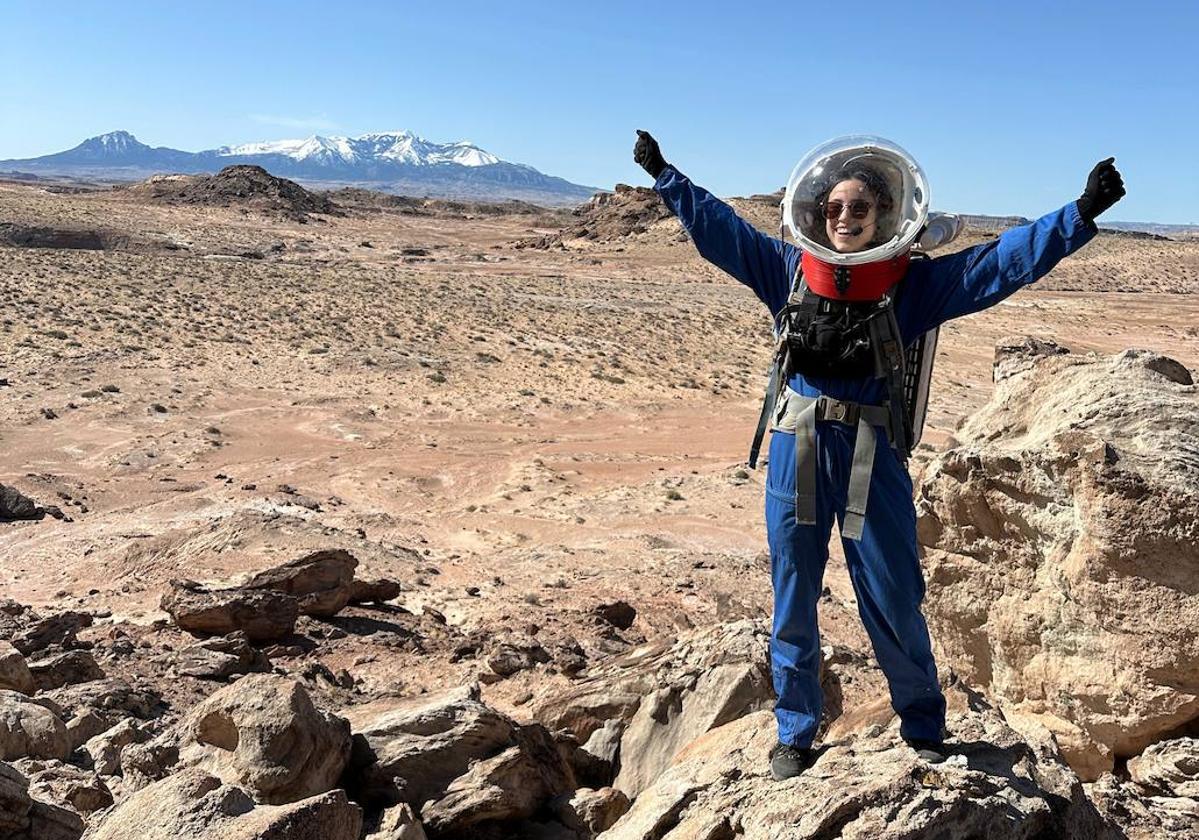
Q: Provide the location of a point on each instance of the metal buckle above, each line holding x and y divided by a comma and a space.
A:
841, 412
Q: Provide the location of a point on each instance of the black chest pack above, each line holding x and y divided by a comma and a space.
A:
821, 338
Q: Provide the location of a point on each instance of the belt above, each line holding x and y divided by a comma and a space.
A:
797, 413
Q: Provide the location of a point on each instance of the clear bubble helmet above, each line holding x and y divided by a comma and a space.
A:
892, 214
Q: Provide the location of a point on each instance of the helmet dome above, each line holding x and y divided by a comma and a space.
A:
896, 183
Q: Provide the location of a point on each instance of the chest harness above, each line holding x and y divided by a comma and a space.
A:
821, 337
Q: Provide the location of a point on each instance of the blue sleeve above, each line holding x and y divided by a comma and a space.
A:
729, 242
976, 278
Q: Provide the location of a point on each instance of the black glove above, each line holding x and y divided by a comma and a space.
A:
1104, 188
647, 154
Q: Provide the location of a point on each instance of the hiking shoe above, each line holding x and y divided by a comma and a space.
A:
787, 761
933, 752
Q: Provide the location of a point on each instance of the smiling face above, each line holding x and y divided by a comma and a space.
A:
848, 229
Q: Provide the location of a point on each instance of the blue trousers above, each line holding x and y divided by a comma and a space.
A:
883, 567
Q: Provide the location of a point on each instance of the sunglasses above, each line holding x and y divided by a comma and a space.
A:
858, 209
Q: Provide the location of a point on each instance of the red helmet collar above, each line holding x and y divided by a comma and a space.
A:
868, 281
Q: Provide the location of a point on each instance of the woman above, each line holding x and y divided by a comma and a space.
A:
852, 287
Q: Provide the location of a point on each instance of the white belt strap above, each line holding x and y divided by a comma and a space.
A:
799, 414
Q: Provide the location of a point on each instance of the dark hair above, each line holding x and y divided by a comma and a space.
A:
874, 182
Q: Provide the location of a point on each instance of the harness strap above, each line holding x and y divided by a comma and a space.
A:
772, 388
859, 482
799, 414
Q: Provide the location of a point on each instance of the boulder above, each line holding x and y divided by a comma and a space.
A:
28, 729
1169, 767
24, 818
398, 823
14, 670
68, 668
31, 633
221, 657
373, 591
667, 695
111, 699
589, 811
504, 788
66, 786
322, 581
105, 749
516, 653
84, 725
869, 784
16, 505
198, 806
620, 614
264, 734
263, 615
410, 750
1061, 546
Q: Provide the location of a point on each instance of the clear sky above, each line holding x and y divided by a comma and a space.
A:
1007, 105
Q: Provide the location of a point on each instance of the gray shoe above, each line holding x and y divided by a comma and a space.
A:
787, 761
933, 752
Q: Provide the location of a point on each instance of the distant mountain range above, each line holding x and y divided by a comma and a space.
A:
397, 162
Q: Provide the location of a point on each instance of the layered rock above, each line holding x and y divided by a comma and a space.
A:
1169, 767
322, 582
665, 696
868, 784
262, 615
1062, 548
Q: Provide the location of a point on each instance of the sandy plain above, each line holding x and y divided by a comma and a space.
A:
515, 434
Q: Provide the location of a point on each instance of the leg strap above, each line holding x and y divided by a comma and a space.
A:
805, 463
859, 481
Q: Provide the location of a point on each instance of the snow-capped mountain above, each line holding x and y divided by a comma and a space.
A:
398, 146
400, 162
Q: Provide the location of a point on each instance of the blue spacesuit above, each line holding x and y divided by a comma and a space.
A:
883, 564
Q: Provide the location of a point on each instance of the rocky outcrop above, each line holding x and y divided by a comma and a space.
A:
666, 696
1062, 548
262, 615
869, 784
1144, 815
199, 806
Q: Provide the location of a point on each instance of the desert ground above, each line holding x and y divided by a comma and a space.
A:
519, 415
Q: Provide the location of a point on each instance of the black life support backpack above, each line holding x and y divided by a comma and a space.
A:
825, 338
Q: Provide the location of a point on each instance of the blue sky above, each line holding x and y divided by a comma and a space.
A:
1006, 105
